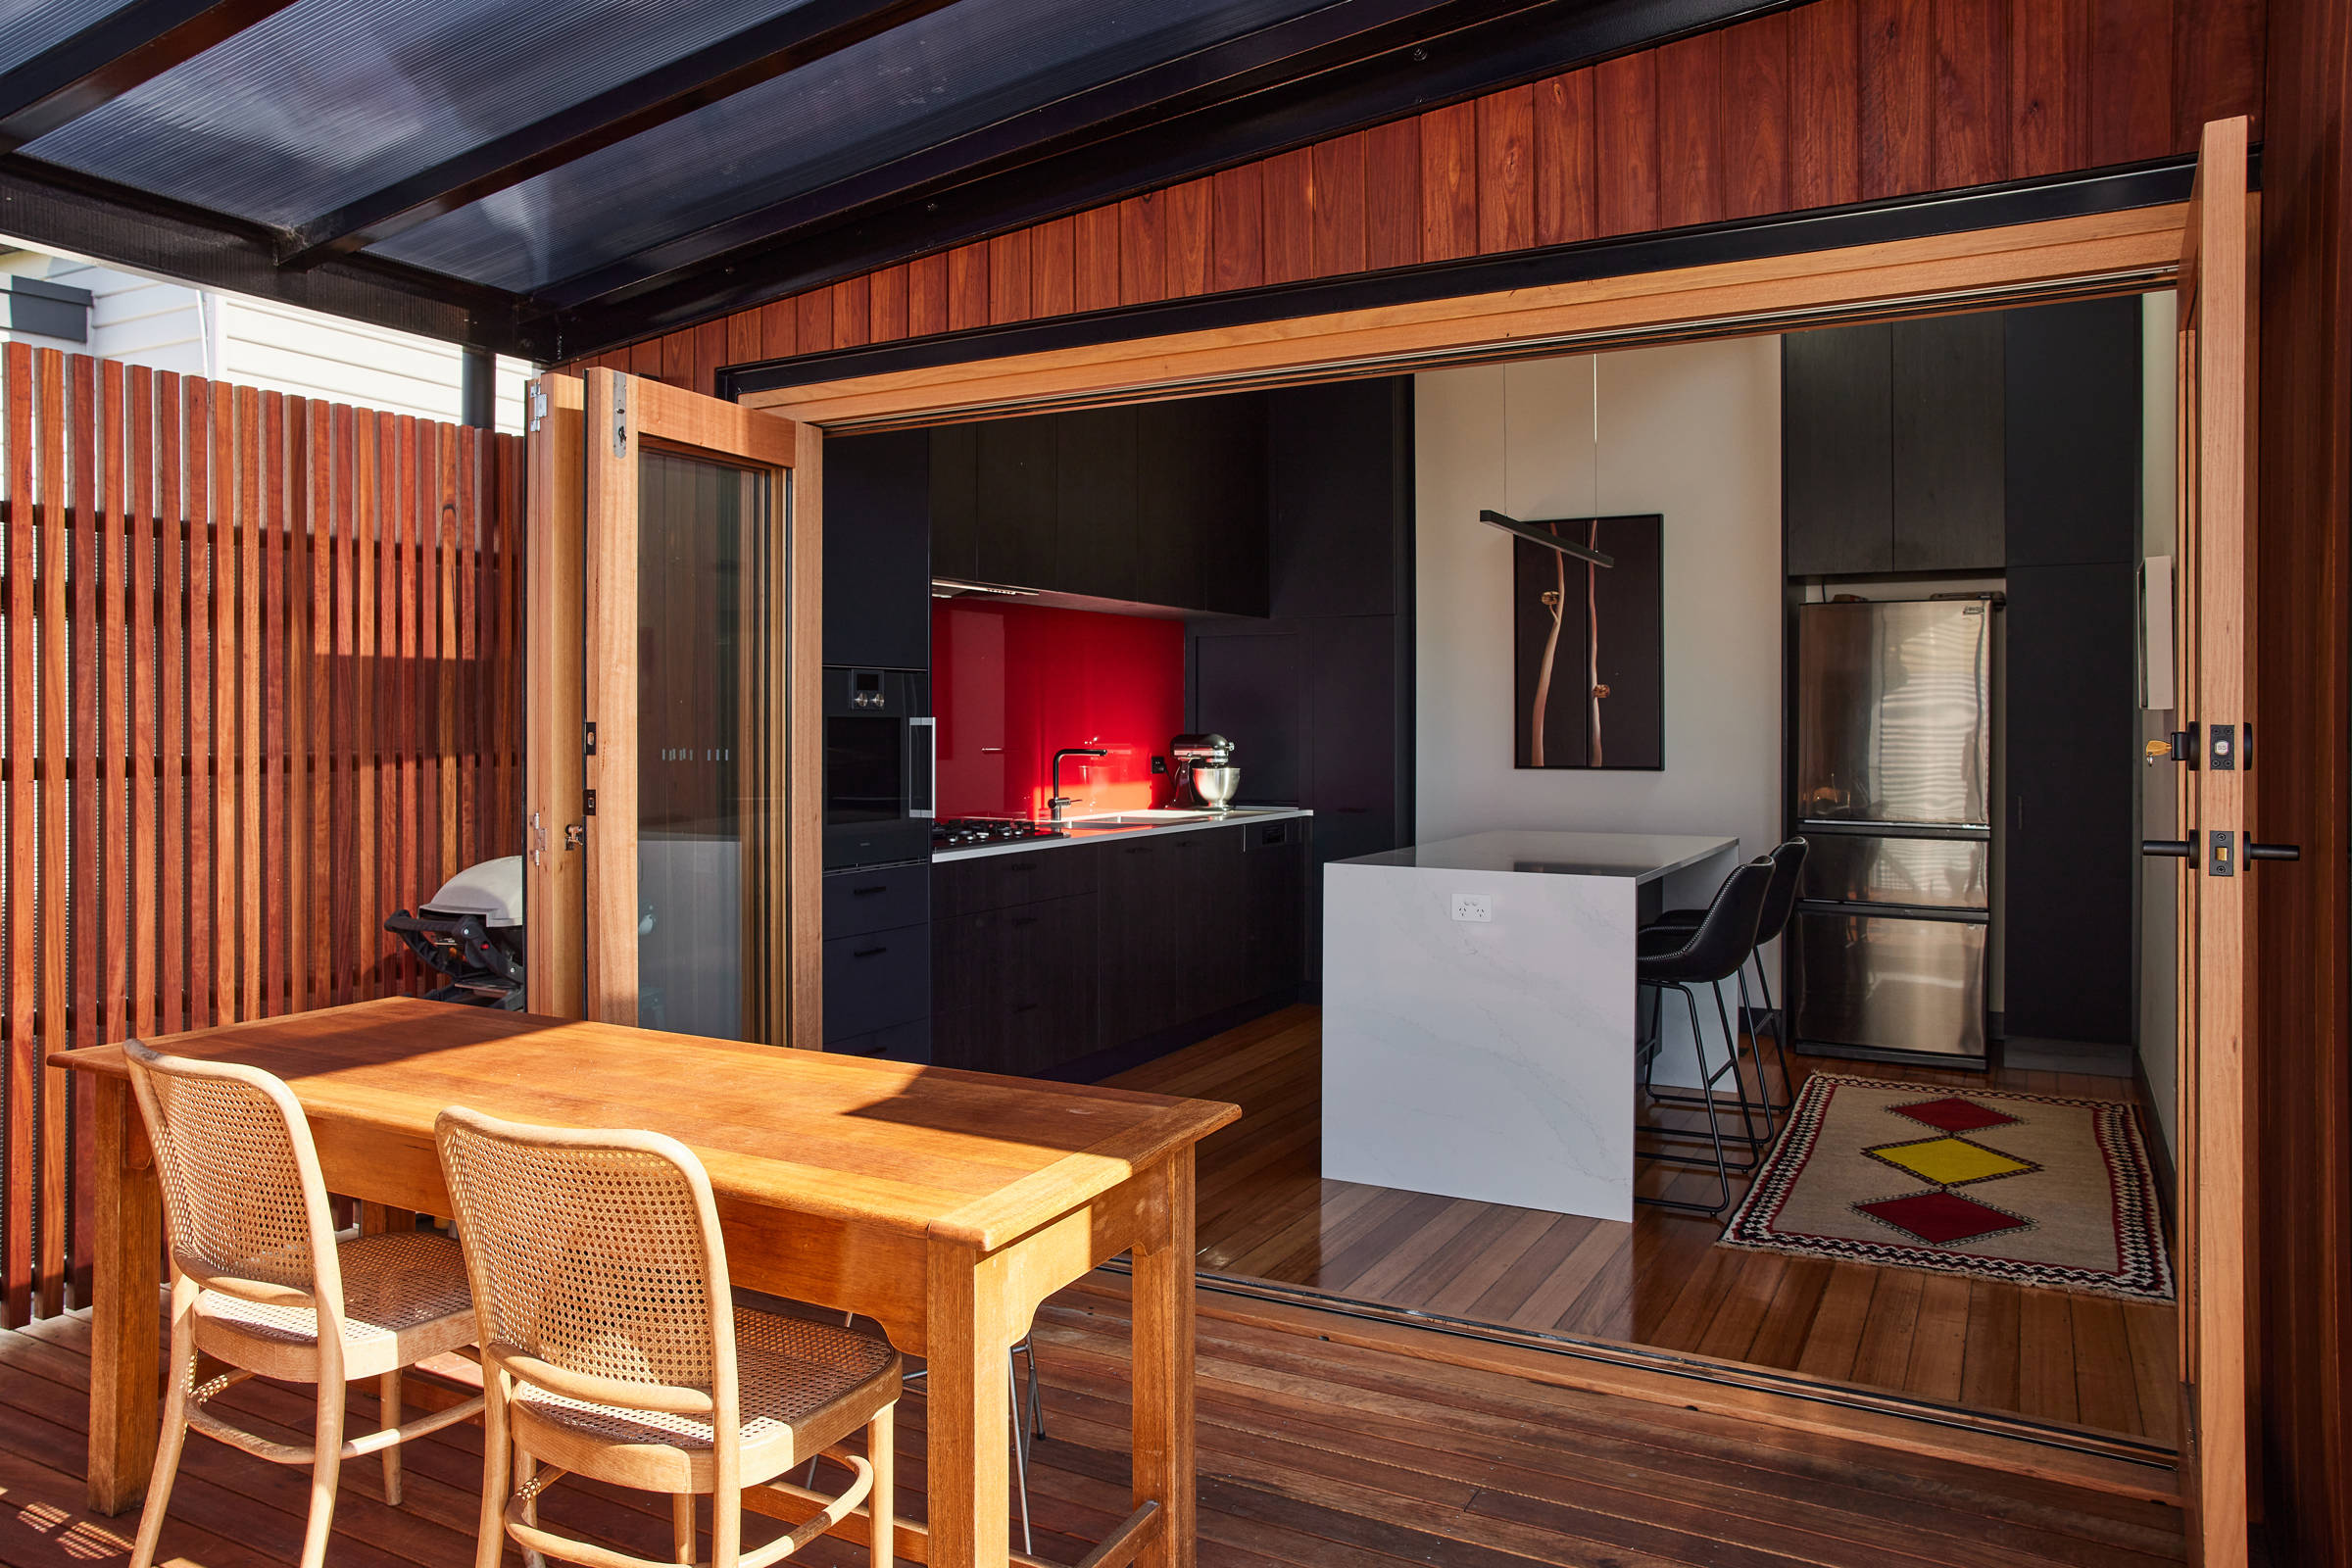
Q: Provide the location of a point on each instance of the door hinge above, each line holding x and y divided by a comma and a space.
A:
590, 739
2221, 748
538, 405
620, 416
590, 797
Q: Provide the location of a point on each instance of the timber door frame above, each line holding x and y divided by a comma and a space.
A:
584, 669
2133, 251
2214, 684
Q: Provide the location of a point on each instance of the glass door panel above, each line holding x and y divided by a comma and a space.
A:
708, 641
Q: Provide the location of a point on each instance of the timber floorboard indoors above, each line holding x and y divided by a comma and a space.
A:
1312, 1455
1266, 1214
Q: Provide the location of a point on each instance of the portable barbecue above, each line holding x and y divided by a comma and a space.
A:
471, 931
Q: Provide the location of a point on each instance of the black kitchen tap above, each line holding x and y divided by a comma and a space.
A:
1054, 807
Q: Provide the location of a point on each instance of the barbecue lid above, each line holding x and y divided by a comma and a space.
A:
491, 889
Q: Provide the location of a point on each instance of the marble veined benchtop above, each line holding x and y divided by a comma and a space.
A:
1478, 1012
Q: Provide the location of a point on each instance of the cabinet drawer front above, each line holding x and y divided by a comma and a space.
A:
908, 1041
999, 881
878, 979
858, 902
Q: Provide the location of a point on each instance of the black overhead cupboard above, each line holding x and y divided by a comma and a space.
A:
1938, 456
1161, 504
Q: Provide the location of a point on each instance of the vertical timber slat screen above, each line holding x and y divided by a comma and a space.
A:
260, 665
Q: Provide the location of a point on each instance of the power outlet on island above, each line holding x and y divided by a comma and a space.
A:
1476, 909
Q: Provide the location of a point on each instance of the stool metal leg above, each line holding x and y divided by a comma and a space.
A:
1721, 1166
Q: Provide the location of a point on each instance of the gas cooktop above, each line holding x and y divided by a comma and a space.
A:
963, 832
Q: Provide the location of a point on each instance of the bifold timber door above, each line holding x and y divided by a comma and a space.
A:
672, 819
2214, 653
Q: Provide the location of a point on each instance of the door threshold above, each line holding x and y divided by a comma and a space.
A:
2018, 1444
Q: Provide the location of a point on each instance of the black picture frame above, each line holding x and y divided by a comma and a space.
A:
1554, 654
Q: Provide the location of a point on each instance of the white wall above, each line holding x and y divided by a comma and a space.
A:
1691, 431
2158, 1048
170, 325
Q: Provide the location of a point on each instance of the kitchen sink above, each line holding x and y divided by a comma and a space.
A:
1162, 818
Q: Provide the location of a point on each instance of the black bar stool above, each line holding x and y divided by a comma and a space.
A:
1780, 907
1669, 960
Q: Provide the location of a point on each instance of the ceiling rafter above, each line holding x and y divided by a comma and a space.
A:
106, 58
802, 36
1338, 34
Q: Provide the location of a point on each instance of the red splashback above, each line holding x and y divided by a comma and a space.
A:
1014, 683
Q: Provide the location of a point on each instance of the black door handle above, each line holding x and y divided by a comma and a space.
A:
868, 953
2273, 852
867, 893
2173, 849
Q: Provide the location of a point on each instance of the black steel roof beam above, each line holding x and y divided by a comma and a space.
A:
954, 194
132, 44
1331, 35
804, 35
48, 205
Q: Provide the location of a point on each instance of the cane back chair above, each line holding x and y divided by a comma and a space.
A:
611, 1348
261, 1282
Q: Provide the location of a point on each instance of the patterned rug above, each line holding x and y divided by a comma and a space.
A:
2032, 1189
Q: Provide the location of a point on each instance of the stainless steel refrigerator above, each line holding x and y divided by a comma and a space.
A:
1890, 948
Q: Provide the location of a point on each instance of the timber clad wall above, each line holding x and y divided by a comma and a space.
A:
261, 662
2303, 1066
1830, 103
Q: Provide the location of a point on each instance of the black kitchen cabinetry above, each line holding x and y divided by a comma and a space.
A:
2074, 425
1838, 449
877, 962
878, 551
1946, 435
1962, 443
955, 487
2007, 442
1200, 503
1161, 504
1016, 501
1095, 504
1318, 696
2071, 781
1890, 447
1043, 956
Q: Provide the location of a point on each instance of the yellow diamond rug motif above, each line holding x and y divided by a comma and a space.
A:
1951, 1161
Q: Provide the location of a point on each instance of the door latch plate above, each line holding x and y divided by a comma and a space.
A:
2220, 853
2221, 748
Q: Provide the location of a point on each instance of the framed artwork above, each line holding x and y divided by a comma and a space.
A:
1589, 644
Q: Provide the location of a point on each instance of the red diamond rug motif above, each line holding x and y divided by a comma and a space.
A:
1940, 1218
1953, 1114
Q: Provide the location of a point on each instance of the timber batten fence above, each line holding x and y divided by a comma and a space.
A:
260, 686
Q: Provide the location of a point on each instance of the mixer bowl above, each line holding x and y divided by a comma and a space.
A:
1216, 786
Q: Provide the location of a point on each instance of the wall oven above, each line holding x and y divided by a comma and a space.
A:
881, 766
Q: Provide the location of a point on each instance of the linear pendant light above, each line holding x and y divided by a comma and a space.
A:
1535, 535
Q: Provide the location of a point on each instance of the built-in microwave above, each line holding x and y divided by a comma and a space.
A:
881, 766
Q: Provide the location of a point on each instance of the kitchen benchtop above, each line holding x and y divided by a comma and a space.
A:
1643, 857
1236, 818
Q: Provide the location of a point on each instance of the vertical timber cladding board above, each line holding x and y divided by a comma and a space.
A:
2299, 785
1828, 103
222, 609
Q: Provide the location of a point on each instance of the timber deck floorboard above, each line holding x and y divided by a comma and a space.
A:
1266, 1214
1313, 1454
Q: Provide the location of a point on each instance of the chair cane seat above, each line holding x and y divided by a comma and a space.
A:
804, 1386
404, 1299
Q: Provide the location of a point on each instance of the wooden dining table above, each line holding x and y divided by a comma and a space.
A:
942, 1206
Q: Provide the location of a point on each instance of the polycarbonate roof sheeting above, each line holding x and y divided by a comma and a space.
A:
330, 100
30, 27
911, 87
